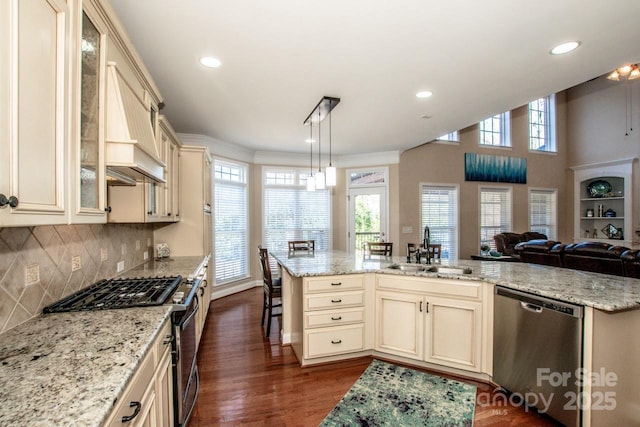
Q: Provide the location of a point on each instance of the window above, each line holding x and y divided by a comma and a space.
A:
451, 136
542, 212
495, 213
495, 131
542, 122
290, 212
439, 210
231, 229
368, 177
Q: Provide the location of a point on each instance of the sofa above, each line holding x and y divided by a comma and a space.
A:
598, 257
506, 242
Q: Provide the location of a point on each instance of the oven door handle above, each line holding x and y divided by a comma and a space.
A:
183, 322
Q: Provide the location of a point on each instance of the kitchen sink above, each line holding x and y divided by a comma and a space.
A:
431, 268
449, 270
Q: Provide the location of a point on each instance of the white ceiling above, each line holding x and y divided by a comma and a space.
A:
279, 57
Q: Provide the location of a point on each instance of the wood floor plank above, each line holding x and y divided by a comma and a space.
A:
249, 380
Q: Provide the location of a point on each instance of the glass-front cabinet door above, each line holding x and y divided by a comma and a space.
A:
90, 181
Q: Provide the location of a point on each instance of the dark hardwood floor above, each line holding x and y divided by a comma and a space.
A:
246, 379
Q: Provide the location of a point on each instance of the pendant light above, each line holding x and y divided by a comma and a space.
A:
320, 184
319, 113
330, 170
311, 182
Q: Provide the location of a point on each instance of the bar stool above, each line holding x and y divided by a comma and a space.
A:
379, 248
272, 290
302, 245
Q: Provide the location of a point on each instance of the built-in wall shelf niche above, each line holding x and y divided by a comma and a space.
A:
603, 203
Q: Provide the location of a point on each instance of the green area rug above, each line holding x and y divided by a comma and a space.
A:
390, 395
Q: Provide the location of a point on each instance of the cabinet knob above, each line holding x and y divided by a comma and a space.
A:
11, 201
107, 209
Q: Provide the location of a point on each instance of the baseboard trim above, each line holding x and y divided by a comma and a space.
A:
224, 291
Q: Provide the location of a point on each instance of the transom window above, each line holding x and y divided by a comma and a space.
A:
542, 212
439, 211
290, 212
231, 221
495, 131
451, 136
542, 118
495, 213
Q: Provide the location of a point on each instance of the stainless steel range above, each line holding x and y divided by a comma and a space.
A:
181, 294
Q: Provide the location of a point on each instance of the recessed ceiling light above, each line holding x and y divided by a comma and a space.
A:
210, 61
564, 48
424, 94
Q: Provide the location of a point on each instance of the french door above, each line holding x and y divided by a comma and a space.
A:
367, 217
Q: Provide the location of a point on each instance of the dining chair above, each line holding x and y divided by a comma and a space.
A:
272, 290
302, 245
379, 248
435, 251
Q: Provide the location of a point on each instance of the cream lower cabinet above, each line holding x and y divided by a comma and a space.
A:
334, 315
148, 399
204, 295
433, 320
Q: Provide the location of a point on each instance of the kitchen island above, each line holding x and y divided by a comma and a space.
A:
383, 311
73, 368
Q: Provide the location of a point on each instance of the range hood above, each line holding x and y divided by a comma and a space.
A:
131, 153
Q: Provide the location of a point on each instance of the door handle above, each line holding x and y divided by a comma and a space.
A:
531, 307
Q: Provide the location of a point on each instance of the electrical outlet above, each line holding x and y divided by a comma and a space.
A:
104, 254
32, 274
76, 263
145, 255
120, 266
407, 230
123, 249
137, 245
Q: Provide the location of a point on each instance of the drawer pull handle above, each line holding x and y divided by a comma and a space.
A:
336, 284
337, 318
136, 411
336, 342
336, 300
167, 339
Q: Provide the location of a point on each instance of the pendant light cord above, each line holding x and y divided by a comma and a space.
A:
330, 108
319, 140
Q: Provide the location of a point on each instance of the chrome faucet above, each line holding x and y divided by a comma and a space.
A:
425, 242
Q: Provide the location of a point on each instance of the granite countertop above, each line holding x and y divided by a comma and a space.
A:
69, 368
600, 291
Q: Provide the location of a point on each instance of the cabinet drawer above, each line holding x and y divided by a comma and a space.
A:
333, 283
433, 286
334, 300
134, 393
163, 341
331, 341
333, 318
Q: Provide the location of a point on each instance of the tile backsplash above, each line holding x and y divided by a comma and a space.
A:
40, 265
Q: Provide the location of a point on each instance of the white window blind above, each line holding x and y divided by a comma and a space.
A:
495, 131
290, 212
231, 229
495, 213
439, 211
542, 212
542, 119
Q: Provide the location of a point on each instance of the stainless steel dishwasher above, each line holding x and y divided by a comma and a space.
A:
537, 352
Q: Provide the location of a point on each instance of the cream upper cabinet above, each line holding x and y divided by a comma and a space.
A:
88, 181
170, 146
191, 236
34, 111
